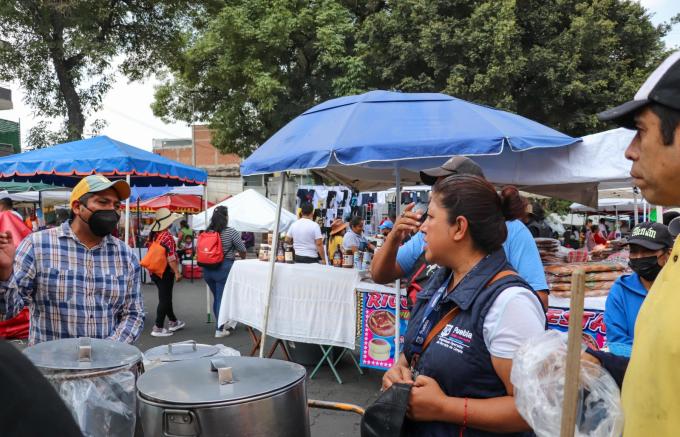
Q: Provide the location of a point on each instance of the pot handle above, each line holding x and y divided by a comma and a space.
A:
85, 349
224, 372
180, 423
182, 343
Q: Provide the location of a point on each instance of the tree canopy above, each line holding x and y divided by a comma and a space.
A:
65, 53
249, 66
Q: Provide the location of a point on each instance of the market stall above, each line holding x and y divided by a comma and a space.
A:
311, 303
65, 164
379, 139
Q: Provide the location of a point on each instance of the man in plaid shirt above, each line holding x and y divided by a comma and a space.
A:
77, 279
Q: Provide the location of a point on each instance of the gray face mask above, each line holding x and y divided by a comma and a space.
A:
102, 222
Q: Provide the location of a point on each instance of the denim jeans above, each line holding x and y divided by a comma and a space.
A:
216, 278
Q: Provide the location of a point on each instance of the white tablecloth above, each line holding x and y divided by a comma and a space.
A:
311, 303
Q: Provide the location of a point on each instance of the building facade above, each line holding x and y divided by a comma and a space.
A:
224, 176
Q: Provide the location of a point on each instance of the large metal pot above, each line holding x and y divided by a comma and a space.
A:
226, 396
95, 378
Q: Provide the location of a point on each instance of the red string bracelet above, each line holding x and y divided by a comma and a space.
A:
464, 418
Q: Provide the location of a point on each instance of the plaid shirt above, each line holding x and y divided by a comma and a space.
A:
73, 291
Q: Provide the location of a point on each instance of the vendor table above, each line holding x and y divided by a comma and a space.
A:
594, 331
310, 303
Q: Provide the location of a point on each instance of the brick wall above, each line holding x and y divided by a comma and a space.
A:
224, 177
207, 156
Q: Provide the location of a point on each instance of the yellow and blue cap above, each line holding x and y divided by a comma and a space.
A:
96, 183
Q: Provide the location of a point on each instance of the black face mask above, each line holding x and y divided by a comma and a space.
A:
647, 267
102, 222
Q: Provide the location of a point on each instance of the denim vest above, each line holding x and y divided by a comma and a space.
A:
458, 358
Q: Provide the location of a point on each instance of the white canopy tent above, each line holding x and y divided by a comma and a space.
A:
249, 211
35, 196
608, 205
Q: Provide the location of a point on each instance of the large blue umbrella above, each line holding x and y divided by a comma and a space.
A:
65, 164
368, 139
384, 129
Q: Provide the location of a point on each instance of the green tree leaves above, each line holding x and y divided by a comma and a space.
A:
64, 53
254, 65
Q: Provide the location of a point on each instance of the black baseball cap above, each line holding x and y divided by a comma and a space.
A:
652, 236
662, 86
455, 165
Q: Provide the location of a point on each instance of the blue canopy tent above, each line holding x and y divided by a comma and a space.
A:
365, 138
65, 164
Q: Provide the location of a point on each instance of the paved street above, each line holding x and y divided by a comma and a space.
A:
190, 306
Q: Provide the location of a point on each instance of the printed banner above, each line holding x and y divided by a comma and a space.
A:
378, 329
594, 331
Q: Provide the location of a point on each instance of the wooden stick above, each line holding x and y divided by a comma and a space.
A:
571, 378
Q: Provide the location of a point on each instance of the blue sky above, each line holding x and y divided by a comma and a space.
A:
126, 106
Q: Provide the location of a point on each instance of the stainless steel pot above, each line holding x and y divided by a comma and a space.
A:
95, 378
184, 350
227, 396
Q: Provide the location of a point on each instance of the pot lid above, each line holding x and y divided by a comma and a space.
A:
198, 381
185, 350
82, 354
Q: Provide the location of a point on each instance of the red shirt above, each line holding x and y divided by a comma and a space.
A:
599, 239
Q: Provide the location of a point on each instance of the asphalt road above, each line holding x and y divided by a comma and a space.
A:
189, 302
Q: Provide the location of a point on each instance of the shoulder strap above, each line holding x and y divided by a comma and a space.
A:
441, 324
454, 312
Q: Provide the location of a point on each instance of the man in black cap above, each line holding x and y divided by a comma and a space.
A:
651, 388
650, 246
392, 261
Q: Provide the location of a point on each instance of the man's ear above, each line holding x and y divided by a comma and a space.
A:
75, 206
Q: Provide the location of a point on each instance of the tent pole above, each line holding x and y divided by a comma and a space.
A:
635, 207
207, 289
397, 283
138, 241
127, 213
272, 259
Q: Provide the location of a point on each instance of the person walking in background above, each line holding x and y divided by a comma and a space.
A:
306, 237
165, 284
216, 277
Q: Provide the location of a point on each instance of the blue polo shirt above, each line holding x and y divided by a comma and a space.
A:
520, 249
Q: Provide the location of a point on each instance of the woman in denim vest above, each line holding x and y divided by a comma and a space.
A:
461, 378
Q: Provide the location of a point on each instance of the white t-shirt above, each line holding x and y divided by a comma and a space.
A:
515, 317
304, 233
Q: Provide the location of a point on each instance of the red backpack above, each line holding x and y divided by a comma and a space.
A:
209, 249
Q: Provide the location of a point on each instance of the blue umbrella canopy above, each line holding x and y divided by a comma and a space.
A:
65, 164
382, 129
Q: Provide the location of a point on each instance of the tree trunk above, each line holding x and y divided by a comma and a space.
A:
75, 122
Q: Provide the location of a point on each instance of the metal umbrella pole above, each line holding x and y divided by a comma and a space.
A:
127, 213
272, 262
138, 238
397, 283
207, 289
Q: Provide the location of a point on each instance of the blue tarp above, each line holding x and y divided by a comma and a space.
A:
382, 129
65, 164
